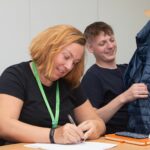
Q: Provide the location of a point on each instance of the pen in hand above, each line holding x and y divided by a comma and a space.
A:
73, 122
71, 119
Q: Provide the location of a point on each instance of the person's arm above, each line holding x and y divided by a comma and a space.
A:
136, 91
89, 121
12, 129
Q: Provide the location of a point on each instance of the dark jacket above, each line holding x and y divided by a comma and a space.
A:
138, 71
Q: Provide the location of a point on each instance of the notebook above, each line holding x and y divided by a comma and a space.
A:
114, 137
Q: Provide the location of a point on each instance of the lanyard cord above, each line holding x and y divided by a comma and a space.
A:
54, 119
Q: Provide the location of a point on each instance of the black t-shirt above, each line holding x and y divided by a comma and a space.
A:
19, 81
101, 86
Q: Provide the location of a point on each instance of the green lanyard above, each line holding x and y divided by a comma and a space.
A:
54, 119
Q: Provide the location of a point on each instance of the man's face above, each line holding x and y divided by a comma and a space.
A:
104, 48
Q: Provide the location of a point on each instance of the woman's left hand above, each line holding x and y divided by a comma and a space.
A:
91, 129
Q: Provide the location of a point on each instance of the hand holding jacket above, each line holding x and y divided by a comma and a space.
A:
136, 91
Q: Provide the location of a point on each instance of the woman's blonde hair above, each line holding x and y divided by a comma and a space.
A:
50, 42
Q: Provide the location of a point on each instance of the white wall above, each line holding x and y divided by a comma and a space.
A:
14, 31
21, 20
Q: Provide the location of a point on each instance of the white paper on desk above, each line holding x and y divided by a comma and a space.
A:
81, 146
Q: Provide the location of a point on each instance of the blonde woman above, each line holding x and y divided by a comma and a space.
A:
37, 96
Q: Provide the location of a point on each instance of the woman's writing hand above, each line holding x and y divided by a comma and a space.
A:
68, 134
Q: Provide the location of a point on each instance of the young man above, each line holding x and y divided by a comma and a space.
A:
103, 81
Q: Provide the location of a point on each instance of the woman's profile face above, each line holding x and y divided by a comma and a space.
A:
66, 59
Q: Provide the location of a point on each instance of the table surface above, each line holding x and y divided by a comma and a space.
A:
120, 146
